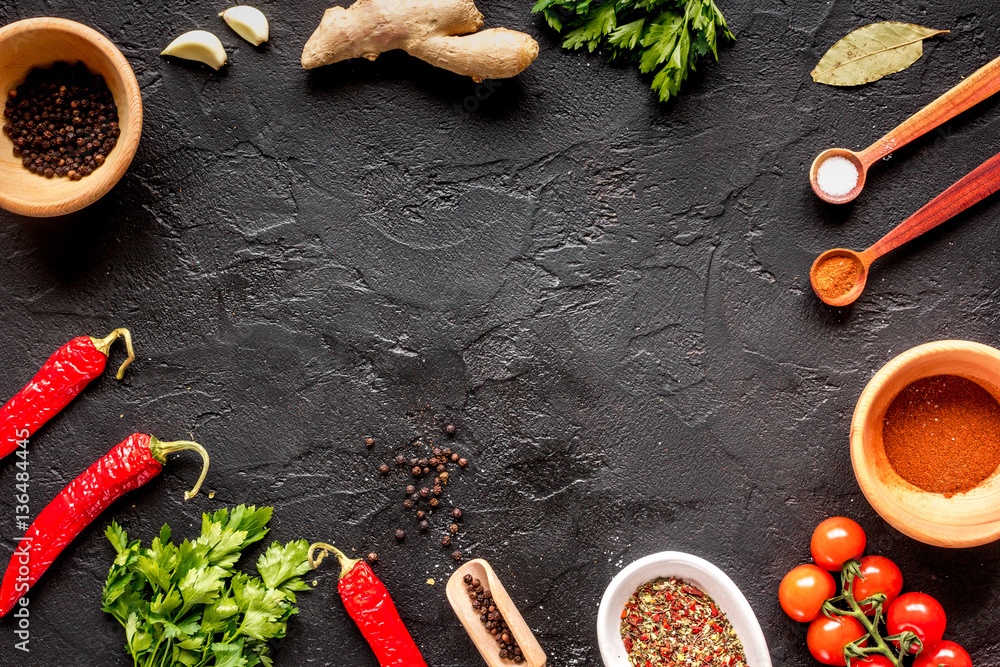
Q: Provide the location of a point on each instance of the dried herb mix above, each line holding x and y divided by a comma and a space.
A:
63, 121
670, 623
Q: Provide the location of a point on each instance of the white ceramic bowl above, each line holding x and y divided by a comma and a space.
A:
694, 570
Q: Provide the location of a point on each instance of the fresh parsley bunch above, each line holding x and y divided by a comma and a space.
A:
666, 36
186, 604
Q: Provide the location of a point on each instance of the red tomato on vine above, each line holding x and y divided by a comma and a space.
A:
804, 590
827, 638
878, 575
920, 614
836, 541
945, 653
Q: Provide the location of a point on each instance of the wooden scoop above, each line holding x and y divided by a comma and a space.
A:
458, 596
972, 189
983, 83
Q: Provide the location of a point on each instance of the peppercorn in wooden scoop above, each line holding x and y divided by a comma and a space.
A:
464, 589
838, 276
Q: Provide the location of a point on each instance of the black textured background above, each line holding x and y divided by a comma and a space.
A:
609, 296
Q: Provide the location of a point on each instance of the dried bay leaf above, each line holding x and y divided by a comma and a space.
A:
872, 52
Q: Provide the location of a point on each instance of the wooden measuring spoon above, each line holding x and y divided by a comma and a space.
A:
972, 189
458, 596
973, 90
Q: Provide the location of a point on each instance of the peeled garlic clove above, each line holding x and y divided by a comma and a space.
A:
248, 22
199, 45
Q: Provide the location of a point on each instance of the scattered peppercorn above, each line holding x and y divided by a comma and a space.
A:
414, 462
463, 462
408, 504
421, 514
435, 502
410, 489
384, 469
416, 471
400, 460
425, 492
441, 468
450, 429
453, 528
370, 442
437, 490
457, 555
400, 534
63, 121
456, 513
446, 541
454, 458
426, 470
424, 525
373, 557
422, 463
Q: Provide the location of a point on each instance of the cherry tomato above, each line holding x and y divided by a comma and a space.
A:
804, 590
945, 653
836, 541
920, 614
873, 661
881, 575
827, 638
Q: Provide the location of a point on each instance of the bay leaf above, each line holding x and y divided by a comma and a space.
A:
872, 52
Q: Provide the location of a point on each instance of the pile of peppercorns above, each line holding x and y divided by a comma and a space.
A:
437, 463
63, 121
492, 619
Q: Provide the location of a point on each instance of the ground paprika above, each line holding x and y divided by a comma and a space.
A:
942, 434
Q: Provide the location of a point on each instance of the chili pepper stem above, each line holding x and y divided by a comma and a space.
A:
104, 346
346, 564
161, 449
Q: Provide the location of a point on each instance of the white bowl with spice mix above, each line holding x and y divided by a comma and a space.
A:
719, 610
925, 443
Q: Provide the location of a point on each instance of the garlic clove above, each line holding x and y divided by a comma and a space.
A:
248, 22
199, 45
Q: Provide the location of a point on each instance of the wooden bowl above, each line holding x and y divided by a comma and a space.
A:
41, 42
964, 520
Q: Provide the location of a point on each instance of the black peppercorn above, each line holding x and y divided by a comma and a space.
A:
408, 504
421, 514
422, 463
416, 471
425, 492
441, 468
463, 462
383, 469
400, 460
373, 557
450, 429
424, 525
453, 528
454, 458
370, 442
400, 534
456, 513
446, 541
437, 490
457, 555
414, 462
426, 470
467, 578
435, 502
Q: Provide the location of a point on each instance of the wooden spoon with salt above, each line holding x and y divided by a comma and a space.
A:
984, 83
831, 275
458, 596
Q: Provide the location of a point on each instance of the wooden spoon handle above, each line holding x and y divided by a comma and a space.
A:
981, 85
972, 189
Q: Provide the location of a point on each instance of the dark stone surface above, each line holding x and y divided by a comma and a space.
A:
609, 296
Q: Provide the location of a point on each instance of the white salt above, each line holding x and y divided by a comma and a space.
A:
837, 176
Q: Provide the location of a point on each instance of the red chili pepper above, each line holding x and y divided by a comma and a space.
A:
125, 468
61, 378
368, 603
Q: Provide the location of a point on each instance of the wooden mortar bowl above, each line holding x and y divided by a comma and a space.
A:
964, 520
41, 42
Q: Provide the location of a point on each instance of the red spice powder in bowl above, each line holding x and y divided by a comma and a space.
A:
695, 571
917, 461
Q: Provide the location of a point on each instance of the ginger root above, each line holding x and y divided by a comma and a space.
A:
440, 32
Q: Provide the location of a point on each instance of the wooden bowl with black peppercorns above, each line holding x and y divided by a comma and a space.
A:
945, 518
38, 44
